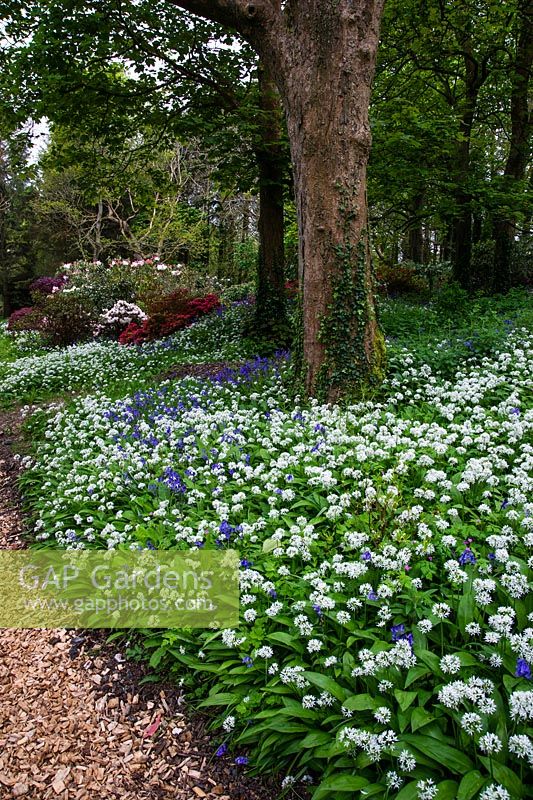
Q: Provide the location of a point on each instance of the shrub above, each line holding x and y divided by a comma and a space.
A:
173, 303
163, 324
23, 319
48, 284
400, 279
67, 318
234, 294
117, 318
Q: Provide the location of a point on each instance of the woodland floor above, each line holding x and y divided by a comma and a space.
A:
74, 722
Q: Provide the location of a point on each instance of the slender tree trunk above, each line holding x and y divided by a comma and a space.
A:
518, 156
4, 263
461, 228
270, 310
414, 241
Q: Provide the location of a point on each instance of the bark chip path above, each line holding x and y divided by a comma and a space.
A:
75, 723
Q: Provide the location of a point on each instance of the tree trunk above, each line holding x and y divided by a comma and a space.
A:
327, 99
461, 227
518, 156
270, 311
322, 57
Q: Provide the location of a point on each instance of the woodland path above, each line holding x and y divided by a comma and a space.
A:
74, 721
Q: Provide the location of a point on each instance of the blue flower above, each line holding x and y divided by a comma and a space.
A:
248, 661
222, 750
523, 669
241, 760
467, 557
398, 632
245, 563
366, 556
372, 596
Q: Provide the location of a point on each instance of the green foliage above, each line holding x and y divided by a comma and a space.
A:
364, 533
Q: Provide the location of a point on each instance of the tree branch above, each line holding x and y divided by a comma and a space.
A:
241, 15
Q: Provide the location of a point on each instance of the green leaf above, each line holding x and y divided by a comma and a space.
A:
327, 684
316, 739
405, 698
505, 776
339, 783
419, 718
470, 785
286, 639
465, 613
361, 702
447, 790
414, 674
443, 754
409, 792
222, 699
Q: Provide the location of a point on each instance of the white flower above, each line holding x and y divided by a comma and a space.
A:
393, 780
383, 715
490, 743
495, 792
406, 761
264, 652
521, 705
450, 664
441, 610
522, 747
228, 724
471, 723
426, 790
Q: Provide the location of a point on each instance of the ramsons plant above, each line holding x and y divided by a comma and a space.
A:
386, 643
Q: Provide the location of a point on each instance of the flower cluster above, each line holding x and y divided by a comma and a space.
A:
118, 317
386, 548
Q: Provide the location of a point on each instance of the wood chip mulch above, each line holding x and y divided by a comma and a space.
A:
75, 723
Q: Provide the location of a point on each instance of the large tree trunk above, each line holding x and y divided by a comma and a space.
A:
322, 57
327, 97
515, 168
270, 310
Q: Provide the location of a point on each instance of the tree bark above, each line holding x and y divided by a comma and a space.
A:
270, 310
518, 156
322, 57
461, 227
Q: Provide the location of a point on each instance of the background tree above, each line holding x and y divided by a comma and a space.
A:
322, 62
16, 191
198, 84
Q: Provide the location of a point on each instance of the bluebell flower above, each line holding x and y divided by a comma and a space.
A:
366, 556
372, 596
245, 563
248, 661
467, 557
241, 761
398, 632
523, 670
